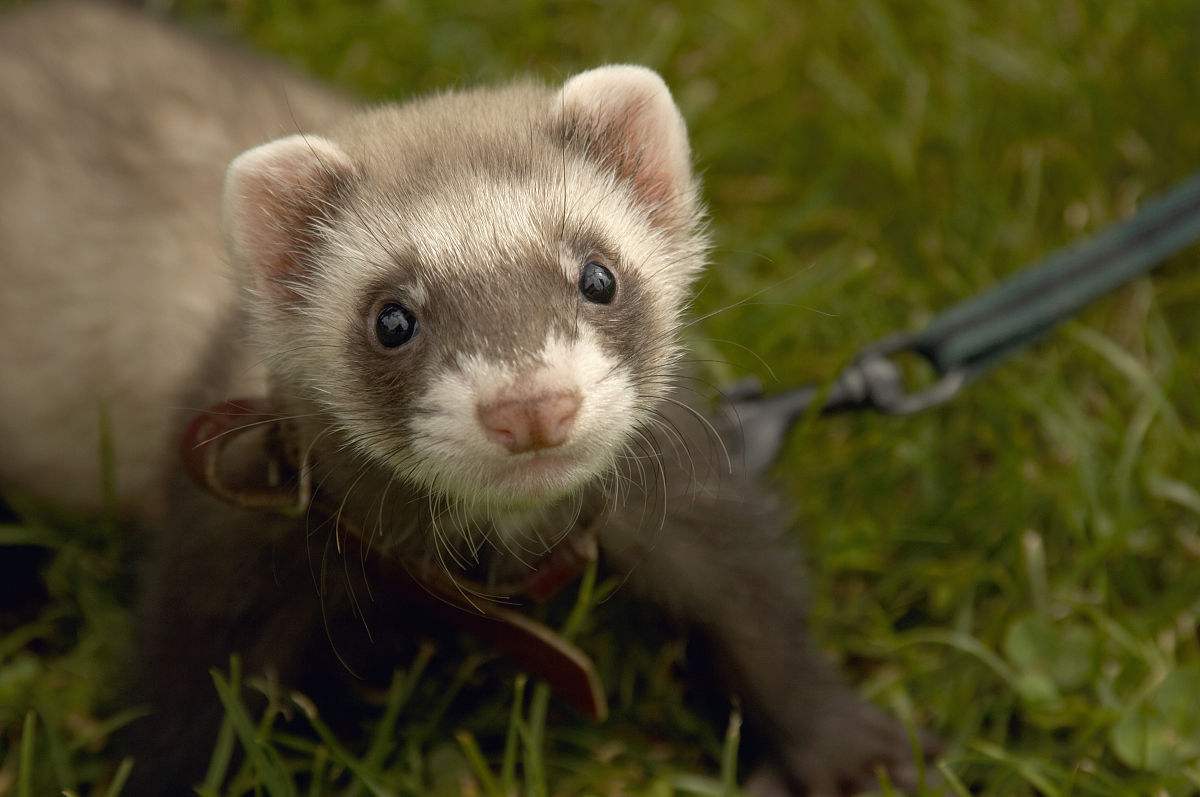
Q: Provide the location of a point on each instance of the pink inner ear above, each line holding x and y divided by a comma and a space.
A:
647, 166
274, 195
281, 233
626, 117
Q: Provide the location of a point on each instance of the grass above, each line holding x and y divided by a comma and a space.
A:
1017, 571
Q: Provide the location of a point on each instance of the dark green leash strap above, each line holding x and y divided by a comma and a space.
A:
978, 333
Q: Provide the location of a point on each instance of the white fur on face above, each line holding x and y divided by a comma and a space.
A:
459, 459
445, 232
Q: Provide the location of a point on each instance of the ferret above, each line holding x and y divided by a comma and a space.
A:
467, 308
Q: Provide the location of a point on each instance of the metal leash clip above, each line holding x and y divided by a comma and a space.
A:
874, 381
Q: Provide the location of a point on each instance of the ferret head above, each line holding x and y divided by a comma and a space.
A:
477, 291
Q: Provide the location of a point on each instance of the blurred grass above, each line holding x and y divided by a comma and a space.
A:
1017, 571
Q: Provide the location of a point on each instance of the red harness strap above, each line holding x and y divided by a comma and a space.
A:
534, 646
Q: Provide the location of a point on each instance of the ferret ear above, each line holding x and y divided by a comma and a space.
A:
274, 196
625, 116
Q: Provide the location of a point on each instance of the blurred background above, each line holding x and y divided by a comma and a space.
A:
1018, 571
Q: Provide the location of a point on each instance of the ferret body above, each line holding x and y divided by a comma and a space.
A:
467, 308
112, 132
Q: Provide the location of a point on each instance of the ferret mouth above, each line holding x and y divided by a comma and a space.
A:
538, 466
540, 476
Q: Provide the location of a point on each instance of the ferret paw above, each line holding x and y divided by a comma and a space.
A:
849, 745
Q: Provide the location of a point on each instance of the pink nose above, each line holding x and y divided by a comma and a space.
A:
529, 423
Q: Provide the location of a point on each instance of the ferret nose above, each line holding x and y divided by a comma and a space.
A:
529, 423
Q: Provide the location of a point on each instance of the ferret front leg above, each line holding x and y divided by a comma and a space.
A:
221, 581
725, 564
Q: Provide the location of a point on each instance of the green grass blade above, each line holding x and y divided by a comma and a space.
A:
508, 766
371, 779
119, 779
483, 773
461, 677
535, 742
108, 727
25, 775
222, 755
952, 781
269, 770
60, 759
14, 535
583, 603
320, 760
401, 689
729, 754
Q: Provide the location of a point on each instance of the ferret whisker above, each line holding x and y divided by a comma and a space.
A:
745, 300
250, 425
566, 529
662, 422
752, 352
443, 547
337, 525
440, 533
644, 550
321, 592
365, 548
438, 548
662, 481
714, 435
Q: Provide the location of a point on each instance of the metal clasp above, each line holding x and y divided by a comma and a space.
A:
875, 380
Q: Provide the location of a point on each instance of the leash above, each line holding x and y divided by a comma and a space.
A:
971, 337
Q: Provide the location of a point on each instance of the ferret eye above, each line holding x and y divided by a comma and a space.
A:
597, 283
395, 326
